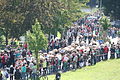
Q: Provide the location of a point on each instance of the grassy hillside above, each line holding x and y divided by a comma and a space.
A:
106, 70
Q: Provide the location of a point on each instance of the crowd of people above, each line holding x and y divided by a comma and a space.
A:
77, 49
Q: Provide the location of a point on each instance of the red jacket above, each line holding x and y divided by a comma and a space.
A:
3, 59
106, 49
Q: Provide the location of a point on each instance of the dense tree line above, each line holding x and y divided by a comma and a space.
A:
18, 16
112, 8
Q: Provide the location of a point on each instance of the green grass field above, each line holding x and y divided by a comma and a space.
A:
106, 70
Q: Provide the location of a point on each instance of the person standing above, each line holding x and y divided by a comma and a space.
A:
25, 45
12, 58
34, 71
117, 51
93, 57
23, 70
58, 76
5, 74
112, 49
106, 52
102, 53
45, 67
3, 60
11, 72
75, 59
17, 74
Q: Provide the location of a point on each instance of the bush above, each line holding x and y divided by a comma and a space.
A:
105, 22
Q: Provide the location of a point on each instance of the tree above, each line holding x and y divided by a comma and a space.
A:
36, 39
10, 19
112, 8
18, 16
105, 22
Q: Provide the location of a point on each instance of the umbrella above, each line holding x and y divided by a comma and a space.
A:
2, 51
51, 52
56, 38
59, 56
40, 51
55, 50
71, 48
66, 48
59, 49
50, 55
62, 50
44, 53
78, 48
83, 47
82, 42
73, 44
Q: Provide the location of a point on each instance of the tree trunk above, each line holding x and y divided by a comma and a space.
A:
69, 2
6, 37
37, 62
